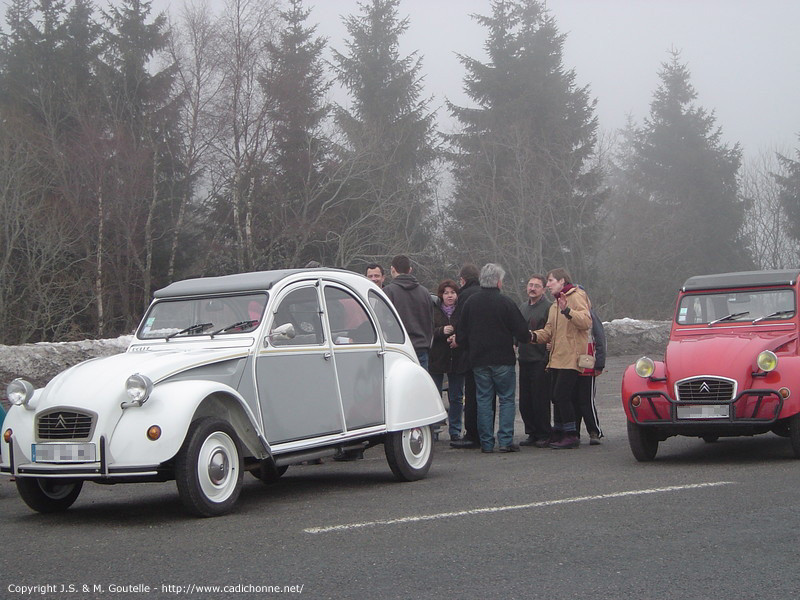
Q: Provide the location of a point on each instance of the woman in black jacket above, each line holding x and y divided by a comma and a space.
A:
447, 357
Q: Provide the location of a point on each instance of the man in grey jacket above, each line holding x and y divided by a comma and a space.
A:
414, 305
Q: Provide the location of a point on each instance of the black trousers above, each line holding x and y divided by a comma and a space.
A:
471, 408
534, 399
565, 390
585, 407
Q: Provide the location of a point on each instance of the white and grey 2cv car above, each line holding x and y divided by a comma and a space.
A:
248, 372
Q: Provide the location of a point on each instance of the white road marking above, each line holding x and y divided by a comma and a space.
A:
496, 509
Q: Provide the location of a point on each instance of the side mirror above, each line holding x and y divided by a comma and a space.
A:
281, 333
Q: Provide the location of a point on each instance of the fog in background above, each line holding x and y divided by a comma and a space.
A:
635, 143
744, 55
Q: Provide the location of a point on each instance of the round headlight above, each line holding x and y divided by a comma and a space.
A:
19, 392
767, 361
138, 388
645, 367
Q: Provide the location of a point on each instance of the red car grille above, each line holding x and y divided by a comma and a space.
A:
706, 389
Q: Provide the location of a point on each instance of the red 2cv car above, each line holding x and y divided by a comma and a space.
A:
731, 368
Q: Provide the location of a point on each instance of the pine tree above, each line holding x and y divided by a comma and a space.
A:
789, 193
295, 86
389, 143
525, 194
136, 195
682, 211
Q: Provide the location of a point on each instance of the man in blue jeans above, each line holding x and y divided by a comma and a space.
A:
490, 325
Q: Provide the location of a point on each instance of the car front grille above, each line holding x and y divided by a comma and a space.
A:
706, 389
65, 425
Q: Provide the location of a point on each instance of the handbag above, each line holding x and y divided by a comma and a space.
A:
586, 361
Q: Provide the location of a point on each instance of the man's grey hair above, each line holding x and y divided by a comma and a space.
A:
491, 275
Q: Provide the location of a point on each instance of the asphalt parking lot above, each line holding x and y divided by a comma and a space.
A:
702, 521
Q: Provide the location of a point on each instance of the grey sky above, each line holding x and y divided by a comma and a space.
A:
743, 55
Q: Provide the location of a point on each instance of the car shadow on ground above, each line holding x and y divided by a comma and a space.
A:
312, 480
126, 505
731, 450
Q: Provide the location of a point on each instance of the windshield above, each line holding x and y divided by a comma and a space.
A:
725, 307
221, 315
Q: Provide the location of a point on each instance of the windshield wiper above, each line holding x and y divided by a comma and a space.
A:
240, 324
197, 327
729, 317
777, 313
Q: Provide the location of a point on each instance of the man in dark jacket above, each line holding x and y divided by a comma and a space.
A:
414, 305
534, 382
490, 322
468, 280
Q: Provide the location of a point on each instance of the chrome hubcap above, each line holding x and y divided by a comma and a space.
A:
218, 467
416, 440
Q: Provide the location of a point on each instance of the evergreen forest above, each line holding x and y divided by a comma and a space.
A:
138, 148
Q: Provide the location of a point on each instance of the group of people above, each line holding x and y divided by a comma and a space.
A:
475, 335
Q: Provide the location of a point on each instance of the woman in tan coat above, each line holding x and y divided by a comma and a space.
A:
567, 332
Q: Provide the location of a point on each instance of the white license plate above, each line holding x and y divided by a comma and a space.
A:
707, 411
63, 453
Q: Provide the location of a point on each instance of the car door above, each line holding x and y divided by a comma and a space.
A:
358, 356
295, 376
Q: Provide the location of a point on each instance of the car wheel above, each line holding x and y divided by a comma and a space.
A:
643, 442
409, 452
268, 473
48, 495
710, 439
781, 429
208, 469
794, 434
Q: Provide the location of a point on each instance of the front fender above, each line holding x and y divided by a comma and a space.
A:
411, 396
20, 420
786, 375
173, 406
633, 384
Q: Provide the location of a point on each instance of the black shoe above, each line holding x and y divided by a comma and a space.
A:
567, 442
465, 444
542, 443
510, 448
529, 441
455, 438
488, 450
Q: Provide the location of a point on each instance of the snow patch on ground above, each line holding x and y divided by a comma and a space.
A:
39, 363
631, 336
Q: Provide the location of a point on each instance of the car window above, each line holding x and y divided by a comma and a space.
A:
299, 307
392, 330
196, 316
349, 321
750, 305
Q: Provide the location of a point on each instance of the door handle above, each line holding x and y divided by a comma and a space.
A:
327, 356
381, 352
